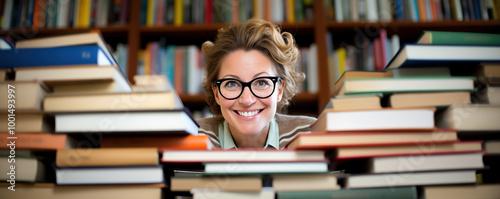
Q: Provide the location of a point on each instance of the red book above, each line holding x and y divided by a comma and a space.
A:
208, 11
377, 54
383, 48
163, 142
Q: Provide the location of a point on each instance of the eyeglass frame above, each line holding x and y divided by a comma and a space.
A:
274, 79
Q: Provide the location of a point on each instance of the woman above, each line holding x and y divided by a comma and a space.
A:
251, 75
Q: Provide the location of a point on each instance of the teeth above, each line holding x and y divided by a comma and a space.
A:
248, 114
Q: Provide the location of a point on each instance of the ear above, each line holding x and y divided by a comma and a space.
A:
216, 94
281, 88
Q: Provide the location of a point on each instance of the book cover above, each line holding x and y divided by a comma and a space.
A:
239, 168
101, 157
386, 193
470, 117
109, 175
435, 99
28, 96
237, 183
37, 141
200, 142
446, 37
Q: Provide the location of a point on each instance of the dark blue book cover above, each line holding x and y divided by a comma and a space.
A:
56, 56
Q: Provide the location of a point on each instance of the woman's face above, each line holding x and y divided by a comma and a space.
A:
247, 114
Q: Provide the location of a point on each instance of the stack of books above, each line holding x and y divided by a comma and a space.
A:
416, 125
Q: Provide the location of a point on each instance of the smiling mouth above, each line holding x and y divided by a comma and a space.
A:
249, 113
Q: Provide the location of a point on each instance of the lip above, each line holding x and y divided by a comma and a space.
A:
248, 118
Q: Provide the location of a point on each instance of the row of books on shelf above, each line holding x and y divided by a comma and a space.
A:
163, 12
63, 14
411, 10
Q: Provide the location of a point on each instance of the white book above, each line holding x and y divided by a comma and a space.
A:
265, 193
109, 175
278, 11
194, 76
385, 10
63, 14
161, 121
183, 156
265, 167
459, 16
371, 11
411, 179
338, 11
312, 69
426, 163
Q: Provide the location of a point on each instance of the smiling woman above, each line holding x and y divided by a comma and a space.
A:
250, 77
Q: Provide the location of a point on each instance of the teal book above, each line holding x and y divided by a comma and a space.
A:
377, 193
444, 37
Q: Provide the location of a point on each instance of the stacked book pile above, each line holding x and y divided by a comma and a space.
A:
81, 125
421, 127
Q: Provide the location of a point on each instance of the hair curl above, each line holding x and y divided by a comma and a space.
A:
255, 34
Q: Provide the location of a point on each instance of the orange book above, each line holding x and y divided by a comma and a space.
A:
40, 141
434, 11
236, 13
178, 69
164, 142
267, 9
421, 10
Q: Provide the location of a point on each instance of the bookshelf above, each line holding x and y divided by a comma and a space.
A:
136, 35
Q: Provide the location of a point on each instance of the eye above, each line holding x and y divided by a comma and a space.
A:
231, 84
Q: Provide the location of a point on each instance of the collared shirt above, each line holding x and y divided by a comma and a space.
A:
227, 141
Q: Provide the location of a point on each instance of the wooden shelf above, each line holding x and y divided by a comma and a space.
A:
27, 32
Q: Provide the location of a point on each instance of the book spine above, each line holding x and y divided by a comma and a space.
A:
107, 157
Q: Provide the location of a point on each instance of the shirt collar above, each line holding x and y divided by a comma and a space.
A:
227, 141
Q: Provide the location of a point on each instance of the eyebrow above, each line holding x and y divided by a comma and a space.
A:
236, 77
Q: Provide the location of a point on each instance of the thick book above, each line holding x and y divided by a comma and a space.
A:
27, 96
51, 191
107, 157
395, 164
354, 102
375, 193
265, 193
419, 55
488, 73
238, 168
91, 38
479, 191
132, 101
470, 117
77, 78
305, 182
109, 175
360, 74
413, 149
412, 179
54, 56
172, 122
245, 155
201, 142
228, 183
321, 140
26, 169
436, 99
492, 147
28, 123
37, 141
489, 95
406, 84
446, 37
375, 119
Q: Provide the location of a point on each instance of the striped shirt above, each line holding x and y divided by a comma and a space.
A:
288, 127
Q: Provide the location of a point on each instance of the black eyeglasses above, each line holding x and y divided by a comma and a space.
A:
261, 87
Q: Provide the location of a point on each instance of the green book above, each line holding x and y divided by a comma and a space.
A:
443, 37
382, 193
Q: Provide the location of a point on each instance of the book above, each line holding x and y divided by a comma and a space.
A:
415, 72
414, 149
29, 123
91, 38
238, 168
403, 100
107, 157
479, 191
360, 74
131, 101
399, 164
489, 95
245, 155
488, 73
406, 84
265, 193
418, 55
163, 122
23, 170
28, 96
305, 182
3, 75
37, 141
109, 175
354, 102
492, 147
68, 55
321, 140
375, 119
51, 191
77, 78
411, 179
201, 142
470, 117
228, 183
456, 38
385, 193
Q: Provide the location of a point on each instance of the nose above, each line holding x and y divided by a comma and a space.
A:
247, 98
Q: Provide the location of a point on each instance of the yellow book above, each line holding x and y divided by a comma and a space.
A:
496, 9
341, 54
178, 13
149, 14
84, 14
257, 9
147, 60
290, 11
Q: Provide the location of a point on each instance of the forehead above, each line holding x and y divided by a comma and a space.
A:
246, 65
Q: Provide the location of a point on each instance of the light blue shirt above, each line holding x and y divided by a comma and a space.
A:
227, 141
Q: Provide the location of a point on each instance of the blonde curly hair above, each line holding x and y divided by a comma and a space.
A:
260, 35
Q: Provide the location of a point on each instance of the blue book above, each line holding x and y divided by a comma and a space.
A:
54, 56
